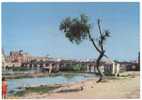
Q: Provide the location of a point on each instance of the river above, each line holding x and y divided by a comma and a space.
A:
61, 78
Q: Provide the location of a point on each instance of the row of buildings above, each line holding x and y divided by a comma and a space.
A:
17, 58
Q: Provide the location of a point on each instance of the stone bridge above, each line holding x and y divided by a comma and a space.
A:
55, 66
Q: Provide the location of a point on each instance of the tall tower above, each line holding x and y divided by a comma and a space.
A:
3, 58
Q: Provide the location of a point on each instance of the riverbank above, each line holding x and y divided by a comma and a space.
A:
37, 89
125, 86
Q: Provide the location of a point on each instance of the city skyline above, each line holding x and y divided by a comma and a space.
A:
34, 28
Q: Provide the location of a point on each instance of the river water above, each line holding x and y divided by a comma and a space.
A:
17, 84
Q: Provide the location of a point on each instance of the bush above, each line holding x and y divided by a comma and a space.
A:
20, 69
74, 67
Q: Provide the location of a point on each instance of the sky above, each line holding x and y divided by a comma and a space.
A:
34, 28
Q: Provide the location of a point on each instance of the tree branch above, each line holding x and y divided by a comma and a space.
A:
91, 39
101, 35
99, 27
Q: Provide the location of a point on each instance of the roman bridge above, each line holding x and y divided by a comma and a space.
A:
55, 66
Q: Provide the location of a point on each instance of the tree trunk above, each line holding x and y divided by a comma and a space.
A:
97, 65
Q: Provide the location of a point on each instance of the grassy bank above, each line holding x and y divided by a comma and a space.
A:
39, 89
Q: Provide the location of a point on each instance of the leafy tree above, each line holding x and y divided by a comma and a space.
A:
79, 29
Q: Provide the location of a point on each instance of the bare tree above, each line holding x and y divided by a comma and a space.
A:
79, 29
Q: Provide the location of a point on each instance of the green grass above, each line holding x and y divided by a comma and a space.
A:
40, 89
20, 93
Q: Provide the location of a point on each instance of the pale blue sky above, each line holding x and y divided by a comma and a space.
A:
34, 28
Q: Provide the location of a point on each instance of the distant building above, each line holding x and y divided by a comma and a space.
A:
129, 66
17, 58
